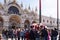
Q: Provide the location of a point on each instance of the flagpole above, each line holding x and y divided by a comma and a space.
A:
57, 14
39, 11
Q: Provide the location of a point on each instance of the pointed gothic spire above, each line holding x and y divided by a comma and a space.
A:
29, 7
5, 1
36, 9
21, 4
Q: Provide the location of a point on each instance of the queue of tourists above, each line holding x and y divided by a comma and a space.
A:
34, 32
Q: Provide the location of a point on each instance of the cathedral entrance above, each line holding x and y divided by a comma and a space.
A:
14, 22
1, 24
26, 24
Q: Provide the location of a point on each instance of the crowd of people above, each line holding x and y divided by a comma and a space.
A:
31, 33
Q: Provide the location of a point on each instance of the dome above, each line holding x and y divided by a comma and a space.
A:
26, 10
32, 12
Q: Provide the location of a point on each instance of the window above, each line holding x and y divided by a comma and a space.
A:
25, 15
47, 21
50, 22
32, 17
53, 21
13, 10
43, 20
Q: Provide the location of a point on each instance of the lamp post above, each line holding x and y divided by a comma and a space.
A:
39, 11
58, 14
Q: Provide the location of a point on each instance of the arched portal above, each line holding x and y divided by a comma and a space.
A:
1, 24
14, 21
26, 24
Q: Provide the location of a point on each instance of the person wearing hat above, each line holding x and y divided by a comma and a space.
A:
44, 33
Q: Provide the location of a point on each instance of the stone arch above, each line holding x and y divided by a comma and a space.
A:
26, 23
34, 22
13, 10
15, 5
14, 21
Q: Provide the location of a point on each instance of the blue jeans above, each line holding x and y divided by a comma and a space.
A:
45, 38
37, 38
54, 38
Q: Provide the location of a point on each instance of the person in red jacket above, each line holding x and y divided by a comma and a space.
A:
27, 35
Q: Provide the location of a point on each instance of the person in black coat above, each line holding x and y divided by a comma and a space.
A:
32, 36
44, 33
10, 34
6, 33
37, 36
59, 36
18, 34
54, 34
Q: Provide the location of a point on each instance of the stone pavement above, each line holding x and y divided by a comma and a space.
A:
20, 39
14, 39
8, 39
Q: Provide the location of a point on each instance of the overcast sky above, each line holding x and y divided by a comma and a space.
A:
49, 8
26, 3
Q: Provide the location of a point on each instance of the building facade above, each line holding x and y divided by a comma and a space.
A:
50, 22
13, 14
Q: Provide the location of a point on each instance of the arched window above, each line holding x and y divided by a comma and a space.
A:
13, 10
43, 20
47, 21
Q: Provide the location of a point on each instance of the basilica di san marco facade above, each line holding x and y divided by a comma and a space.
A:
13, 14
